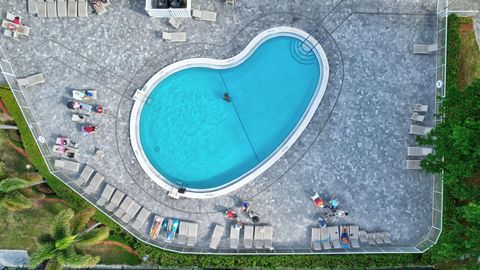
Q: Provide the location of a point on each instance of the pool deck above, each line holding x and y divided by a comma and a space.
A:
353, 150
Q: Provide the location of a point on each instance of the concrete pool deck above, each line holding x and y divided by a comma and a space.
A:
354, 149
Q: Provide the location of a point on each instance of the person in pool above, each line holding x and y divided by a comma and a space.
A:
227, 97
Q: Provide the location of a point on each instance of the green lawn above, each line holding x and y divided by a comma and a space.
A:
469, 53
113, 255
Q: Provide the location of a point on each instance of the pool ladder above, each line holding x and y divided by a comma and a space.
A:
302, 52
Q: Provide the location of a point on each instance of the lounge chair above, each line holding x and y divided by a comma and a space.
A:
106, 195
258, 239
82, 8
174, 36
334, 236
115, 201
31, 80
65, 151
95, 183
216, 236
371, 238
386, 238
424, 48
84, 95
41, 8
62, 8
316, 244
67, 165
248, 236
131, 212
363, 237
139, 95
174, 22
141, 218
51, 8
123, 207
379, 238
65, 142
353, 235
325, 238
419, 130
413, 165
420, 107
268, 236
419, 151
201, 15
192, 234
234, 237
417, 117
182, 233
10, 34
230, 2
99, 7
72, 8
79, 118
32, 7
84, 176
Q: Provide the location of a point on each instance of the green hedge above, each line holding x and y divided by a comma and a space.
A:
454, 44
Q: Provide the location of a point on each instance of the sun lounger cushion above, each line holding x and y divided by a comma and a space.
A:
72, 8
106, 195
82, 8
216, 236
41, 8
32, 6
51, 8
62, 8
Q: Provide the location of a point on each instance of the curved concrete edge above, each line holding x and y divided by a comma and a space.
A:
223, 64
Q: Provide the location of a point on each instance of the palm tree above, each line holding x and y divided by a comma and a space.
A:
10, 197
67, 233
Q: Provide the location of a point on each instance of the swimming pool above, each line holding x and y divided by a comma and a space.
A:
185, 134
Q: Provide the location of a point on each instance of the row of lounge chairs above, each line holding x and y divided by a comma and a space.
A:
260, 237
200, 15
380, 238
58, 8
329, 238
417, 116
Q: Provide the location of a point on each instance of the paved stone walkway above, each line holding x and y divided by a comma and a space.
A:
13, 258
354, 149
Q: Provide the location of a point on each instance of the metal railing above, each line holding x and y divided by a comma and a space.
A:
437, 205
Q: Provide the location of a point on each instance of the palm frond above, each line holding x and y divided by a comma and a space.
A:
43, 253
14, 200
54, 264
71, 258
92, 237
11, 184
80, 220
61, 224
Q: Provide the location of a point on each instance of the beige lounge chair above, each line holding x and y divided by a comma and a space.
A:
202, 15
95, 183
65, 151
62, 8
419, 151
419, 130
216, 236
41, 8
325, 238
315, 243
258, 239
420, 107
353, 236
413, 165
268, 237
84, 176
10, 34
72, 8
115, 201
31, 80
192, 234
99, 7
51, 8
65, 141
106, 195
417, 117
123, 207
182, 233
234, 237
386, 238
379, 238
131, 212
334, 236
67, 165
363, 237
230, 2
32, 7
82, 8
141, 218
371, 239
248, 236
174, 22
174, 36
79, 118
424, 48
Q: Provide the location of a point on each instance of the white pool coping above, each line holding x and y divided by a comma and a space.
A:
224, 64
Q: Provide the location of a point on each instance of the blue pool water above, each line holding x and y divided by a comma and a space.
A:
196, 139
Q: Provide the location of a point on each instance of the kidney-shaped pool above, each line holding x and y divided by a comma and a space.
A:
186, 134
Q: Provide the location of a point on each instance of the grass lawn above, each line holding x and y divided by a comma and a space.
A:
113, 255
469, 53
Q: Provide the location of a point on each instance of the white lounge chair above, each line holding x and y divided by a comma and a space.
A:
353, 236
51, 8
268, 237
363, 237
65, 141
106, 195
258, 240
216, 236
418, 151
424, 48
182, 233
131, 212
325, 238
79, 118
32, 7
65, 151
62, 8
72, 8
386, 238
201, 15
419, 130
41, 8
413, 165
379, 238
334, 236
420, 107
174, 22
123, 207
141, 218
417, 117
230, 2
84, 176
67, 165
371, 238
234, 237
83, 95
10, 34
115, 201
31, 80
82, 8
99, 7
174, 36
248, 236
316, 244
192, 234
95, 183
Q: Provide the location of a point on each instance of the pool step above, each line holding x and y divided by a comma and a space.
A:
302, 52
